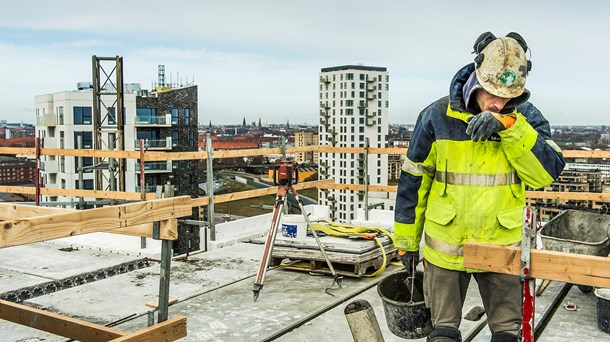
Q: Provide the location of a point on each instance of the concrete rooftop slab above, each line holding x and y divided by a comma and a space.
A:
214, 290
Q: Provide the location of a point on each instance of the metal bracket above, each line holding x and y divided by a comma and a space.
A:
156, 233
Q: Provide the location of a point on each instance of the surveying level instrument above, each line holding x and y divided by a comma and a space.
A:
285, 175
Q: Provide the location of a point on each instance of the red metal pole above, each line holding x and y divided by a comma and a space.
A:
37, 179
530, 226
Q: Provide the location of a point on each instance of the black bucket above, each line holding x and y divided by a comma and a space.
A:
603, 309
406, 320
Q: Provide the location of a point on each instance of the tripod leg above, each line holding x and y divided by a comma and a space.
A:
337, 279
269, 243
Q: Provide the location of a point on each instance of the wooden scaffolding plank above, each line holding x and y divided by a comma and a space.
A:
170, 330
565, 267
197, 202
48, 227
9, 211
56, 324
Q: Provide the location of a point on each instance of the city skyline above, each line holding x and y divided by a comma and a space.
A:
262, 59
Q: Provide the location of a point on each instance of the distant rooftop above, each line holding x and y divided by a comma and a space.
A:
354, 67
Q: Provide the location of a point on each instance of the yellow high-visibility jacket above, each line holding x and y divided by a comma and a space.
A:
454, 190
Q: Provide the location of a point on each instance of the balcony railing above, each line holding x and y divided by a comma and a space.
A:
155, 167
49, 166
49, 120
147, 188
156, 144
159, 120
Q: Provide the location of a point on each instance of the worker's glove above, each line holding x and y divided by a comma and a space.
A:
409, 260
483, 125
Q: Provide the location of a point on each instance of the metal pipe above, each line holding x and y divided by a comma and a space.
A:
142, 186
362, 322
210, 179
37, 176
166, 260
366, 179
81, 181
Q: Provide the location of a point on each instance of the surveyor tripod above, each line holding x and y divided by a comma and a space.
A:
284, 175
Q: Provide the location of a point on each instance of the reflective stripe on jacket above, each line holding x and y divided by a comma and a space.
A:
461, 190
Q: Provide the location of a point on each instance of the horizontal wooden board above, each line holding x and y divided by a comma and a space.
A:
56, 324
565, 267
170, 330
234, 196
17, 212
48, 227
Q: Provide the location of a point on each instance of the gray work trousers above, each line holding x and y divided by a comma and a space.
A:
445, 292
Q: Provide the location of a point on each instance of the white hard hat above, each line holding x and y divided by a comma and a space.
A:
502, 67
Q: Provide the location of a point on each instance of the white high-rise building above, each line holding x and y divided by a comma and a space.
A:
353, 108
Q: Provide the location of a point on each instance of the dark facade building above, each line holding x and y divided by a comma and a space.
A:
181, 136
17, 171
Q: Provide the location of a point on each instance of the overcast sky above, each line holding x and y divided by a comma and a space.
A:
260, 58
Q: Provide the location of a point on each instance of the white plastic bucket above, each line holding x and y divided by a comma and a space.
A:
294, 226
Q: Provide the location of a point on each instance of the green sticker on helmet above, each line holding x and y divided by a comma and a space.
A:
508, 78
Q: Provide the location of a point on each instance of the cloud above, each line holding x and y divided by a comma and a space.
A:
262, 58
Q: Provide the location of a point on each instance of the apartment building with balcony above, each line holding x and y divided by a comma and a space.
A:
17, 171
575, 177
164, 120
354, 107
305, 139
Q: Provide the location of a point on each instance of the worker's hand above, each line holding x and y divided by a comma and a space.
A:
409, 259
483, 125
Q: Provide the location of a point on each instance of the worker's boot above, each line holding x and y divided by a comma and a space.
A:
504, 337
444, 334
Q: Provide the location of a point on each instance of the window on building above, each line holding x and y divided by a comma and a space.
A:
60, 115
87, 184
191, 139
362, 77
361, 85
174, 116
146, 115
174, 138
361, 129
349, 76
87, 139
87, 163
82, 115
111, 116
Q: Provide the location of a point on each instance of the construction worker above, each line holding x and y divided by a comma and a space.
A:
470, 157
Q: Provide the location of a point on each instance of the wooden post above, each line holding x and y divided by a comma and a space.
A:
363, 322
